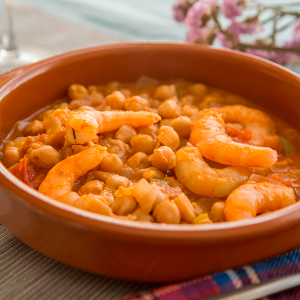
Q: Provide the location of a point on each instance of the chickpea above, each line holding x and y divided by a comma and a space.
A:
11, 156
78, 148
164, 92
125, 92
136, 103
125, 133
217, 212
91, 187
167, 212
124, 205
96, 98
199, 90
166, 122
44, 157
163, 158
182, 125
115, 181
142, 217
142, 143
115, 147
169, 109
115, 100
149, 130
65, 152
78, 103
149, 174
112, 87
111, 163
189, 110
127, 172
187, 100
138, 160
158, 174
76, 91
34, 128
168, 137
185, 207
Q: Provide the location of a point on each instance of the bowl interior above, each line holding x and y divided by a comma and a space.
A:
255, 79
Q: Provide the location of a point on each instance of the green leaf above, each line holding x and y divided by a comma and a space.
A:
287, 144
158, 180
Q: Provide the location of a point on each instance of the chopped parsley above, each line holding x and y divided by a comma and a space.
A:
74, 134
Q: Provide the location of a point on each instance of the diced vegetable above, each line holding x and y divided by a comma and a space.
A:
158, 180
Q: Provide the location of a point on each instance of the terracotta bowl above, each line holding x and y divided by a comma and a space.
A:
137, 251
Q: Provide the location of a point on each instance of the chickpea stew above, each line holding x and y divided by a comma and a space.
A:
171, 152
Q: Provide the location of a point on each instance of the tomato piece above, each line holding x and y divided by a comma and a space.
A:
277, 178
26, 171
239, 135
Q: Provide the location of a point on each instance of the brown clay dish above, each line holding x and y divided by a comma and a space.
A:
130, 250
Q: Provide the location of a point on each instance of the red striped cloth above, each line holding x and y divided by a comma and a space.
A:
229, 280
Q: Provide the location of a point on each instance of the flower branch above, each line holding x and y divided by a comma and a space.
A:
203, 21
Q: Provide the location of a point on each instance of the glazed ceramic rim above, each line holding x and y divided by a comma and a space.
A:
259, 226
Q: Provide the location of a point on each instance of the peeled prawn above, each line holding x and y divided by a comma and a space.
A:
82, 126
193, 172
61, 178
251, 119
208, 134
254, 198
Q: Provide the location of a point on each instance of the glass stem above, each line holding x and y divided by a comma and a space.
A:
9, 47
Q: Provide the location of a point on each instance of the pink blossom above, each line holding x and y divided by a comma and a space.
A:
222, 38
199, 35
234, 30
200, 9
251, 26
233, 8
179, 10
296, 34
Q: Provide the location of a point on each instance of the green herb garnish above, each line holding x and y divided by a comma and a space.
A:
74, 134
287, 144
158, 180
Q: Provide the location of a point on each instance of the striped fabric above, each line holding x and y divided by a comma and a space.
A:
230, 280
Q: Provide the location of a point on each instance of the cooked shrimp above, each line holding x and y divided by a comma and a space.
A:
193, 172
251, 119
82, 126
254, 198
62, 176
60, 180
208, 134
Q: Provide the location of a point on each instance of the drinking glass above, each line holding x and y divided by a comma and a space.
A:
10, 55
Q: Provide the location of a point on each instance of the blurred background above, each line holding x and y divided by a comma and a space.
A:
45, 28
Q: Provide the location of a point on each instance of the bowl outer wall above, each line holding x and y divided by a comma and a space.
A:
180, 251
